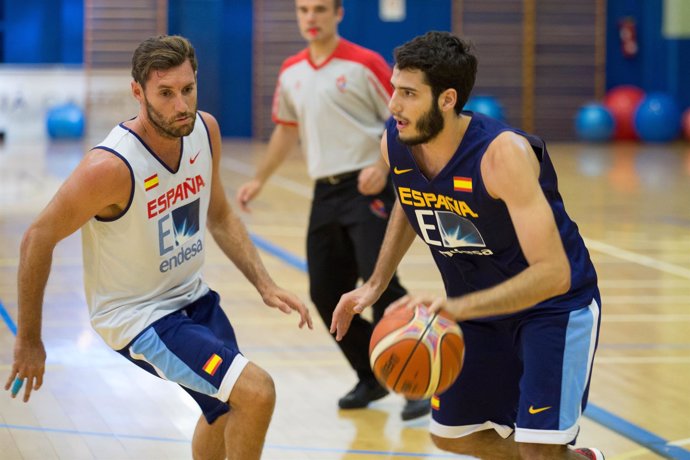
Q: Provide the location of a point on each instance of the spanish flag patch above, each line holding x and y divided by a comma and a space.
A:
212, 364
462, 184
435, 403
151, 182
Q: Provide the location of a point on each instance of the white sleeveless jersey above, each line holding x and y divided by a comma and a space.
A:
147, 262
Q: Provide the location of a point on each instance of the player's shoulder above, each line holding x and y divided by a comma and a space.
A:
209, 120
104, 162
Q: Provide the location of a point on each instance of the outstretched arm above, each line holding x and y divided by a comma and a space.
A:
510, 171
232, 238
100, 185
283, 140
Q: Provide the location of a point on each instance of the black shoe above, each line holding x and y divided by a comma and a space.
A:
362, 394
415, 408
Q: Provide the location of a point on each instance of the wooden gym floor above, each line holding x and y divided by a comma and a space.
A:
630, 201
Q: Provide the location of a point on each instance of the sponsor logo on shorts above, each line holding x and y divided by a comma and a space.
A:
533, 411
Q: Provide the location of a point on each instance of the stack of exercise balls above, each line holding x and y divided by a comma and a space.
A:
637, 115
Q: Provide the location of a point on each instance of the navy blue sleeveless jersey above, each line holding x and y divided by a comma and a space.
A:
469, 233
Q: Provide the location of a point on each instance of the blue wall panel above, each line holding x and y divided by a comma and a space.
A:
43, 32
32, 35
362, 24
660, 64
236, 68
72, 21
220, 31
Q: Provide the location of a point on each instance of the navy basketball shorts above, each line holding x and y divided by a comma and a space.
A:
529, 375
196, 348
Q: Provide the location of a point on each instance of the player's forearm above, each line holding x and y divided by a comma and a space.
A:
533, 285
233, 239
399, 236
35, 259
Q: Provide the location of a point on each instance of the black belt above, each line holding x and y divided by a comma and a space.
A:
337, 178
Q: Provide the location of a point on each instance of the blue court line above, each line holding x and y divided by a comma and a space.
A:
187, 441
639, 435
8, 319
279, 252
92, 433
613, 422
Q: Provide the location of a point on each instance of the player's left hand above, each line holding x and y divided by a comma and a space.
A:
372, 180
286, 302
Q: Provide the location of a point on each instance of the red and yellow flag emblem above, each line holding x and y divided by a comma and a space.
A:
212, 364
462, 184
151, 182
435, 403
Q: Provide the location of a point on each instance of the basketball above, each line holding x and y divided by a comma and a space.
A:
416, 353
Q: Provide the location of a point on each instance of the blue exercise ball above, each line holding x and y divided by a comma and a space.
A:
657, 119
594, 123
486, 105
65, 122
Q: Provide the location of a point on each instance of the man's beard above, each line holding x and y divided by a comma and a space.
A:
166, 128
428, 126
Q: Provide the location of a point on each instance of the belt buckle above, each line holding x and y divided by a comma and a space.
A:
332, 180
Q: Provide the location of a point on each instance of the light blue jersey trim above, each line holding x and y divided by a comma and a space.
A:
150, 348
580, 341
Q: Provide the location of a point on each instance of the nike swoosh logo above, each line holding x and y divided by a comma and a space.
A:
533, 411
401, 171
193, 159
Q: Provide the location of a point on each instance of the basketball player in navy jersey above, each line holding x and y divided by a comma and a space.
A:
483, 196
333, 96
143, 199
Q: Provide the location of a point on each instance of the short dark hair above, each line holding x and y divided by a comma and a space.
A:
445, 60
162, 52
337, 4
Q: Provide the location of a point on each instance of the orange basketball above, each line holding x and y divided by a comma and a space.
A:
416, 353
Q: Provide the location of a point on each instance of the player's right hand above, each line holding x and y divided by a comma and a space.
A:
247, 192
351, 303
29, 365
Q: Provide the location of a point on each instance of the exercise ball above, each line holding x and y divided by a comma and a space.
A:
622, 101
686, 124
594, 123
657, 119
65, 121
486, 105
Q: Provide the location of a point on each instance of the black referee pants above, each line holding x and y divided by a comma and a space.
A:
345, 233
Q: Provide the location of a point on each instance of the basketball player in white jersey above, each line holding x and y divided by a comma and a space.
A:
333, 96
143, 199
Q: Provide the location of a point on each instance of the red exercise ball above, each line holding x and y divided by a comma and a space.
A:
685, 122
622, 101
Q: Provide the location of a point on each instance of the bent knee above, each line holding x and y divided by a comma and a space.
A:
255, 386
